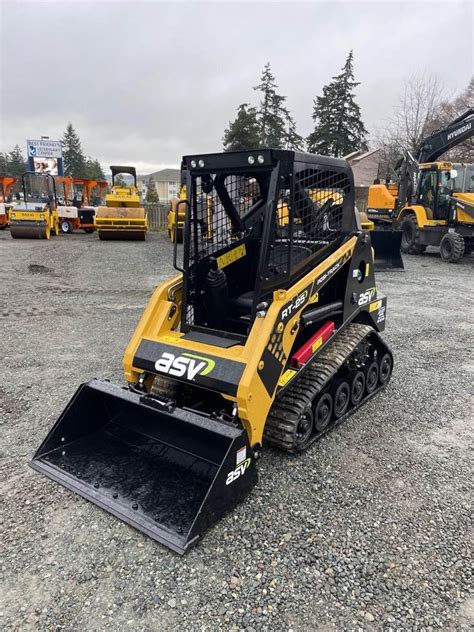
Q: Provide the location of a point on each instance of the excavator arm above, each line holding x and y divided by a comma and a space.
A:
430, 150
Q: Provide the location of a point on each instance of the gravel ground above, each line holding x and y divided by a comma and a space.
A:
370, 529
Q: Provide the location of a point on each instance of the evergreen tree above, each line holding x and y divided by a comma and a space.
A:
15, 162
292, 139
74, 159
243, 132
119, 181
339, 129
3, 164
93, 170
151, 193
272, 113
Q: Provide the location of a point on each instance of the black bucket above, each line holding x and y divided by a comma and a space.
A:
386, 244
170, 474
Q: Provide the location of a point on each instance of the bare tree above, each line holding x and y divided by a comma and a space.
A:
415, 117
450, 110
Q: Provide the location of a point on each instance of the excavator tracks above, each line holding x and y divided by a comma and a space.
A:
341, 378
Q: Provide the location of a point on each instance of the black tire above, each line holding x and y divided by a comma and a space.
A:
323, 411
66, 226
371, 377
304, 429
341, 399
452, 247
385, 368
410, 236
357, 388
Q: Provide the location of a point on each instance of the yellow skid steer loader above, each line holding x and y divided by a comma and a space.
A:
268, 335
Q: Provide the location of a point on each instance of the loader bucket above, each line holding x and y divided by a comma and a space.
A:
169, 474
386, 244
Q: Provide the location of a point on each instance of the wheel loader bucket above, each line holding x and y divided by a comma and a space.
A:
386, 245
169, 473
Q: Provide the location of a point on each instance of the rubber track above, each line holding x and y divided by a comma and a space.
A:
283, 417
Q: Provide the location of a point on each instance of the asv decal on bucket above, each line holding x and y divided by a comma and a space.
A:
239, 471
186, 364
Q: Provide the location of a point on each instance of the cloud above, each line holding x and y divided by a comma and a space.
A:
146, 82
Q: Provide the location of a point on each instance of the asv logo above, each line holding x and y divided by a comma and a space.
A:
298, 302
186, 364
366, 297
239, 471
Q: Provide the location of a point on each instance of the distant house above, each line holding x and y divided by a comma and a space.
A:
365, 165
167, 182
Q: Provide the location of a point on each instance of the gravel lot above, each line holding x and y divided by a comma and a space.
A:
370, 529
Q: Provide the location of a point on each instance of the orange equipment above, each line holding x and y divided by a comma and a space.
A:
6, 183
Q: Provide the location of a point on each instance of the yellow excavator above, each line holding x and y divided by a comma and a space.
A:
432, 204
122, 217
267, 335
36, 216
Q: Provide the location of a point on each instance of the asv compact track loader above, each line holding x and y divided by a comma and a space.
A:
268, 335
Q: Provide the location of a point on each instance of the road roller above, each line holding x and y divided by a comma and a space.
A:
122, 217
36, 216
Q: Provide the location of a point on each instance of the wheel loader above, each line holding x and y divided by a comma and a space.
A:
37, 215
122, 217
268, 335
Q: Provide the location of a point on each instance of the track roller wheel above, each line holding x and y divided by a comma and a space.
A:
385, 368
371, 377
323, 411
357, 388
341, 399
452, 247
304, 429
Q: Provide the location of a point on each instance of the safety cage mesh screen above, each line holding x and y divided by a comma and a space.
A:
308, 217
218, 204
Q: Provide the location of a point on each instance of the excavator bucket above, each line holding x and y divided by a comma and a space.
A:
121, 223
169, 473
386, 245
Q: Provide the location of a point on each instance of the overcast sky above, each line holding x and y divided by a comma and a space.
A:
145, 82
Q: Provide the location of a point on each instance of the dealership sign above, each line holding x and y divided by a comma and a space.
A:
45, 156
44, 148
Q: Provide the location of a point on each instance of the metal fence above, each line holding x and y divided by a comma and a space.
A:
157, 215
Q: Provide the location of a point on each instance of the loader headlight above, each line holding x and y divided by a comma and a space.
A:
251, 160
201, 164
193, 164
260, 159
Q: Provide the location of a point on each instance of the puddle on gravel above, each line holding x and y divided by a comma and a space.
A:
35, 268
